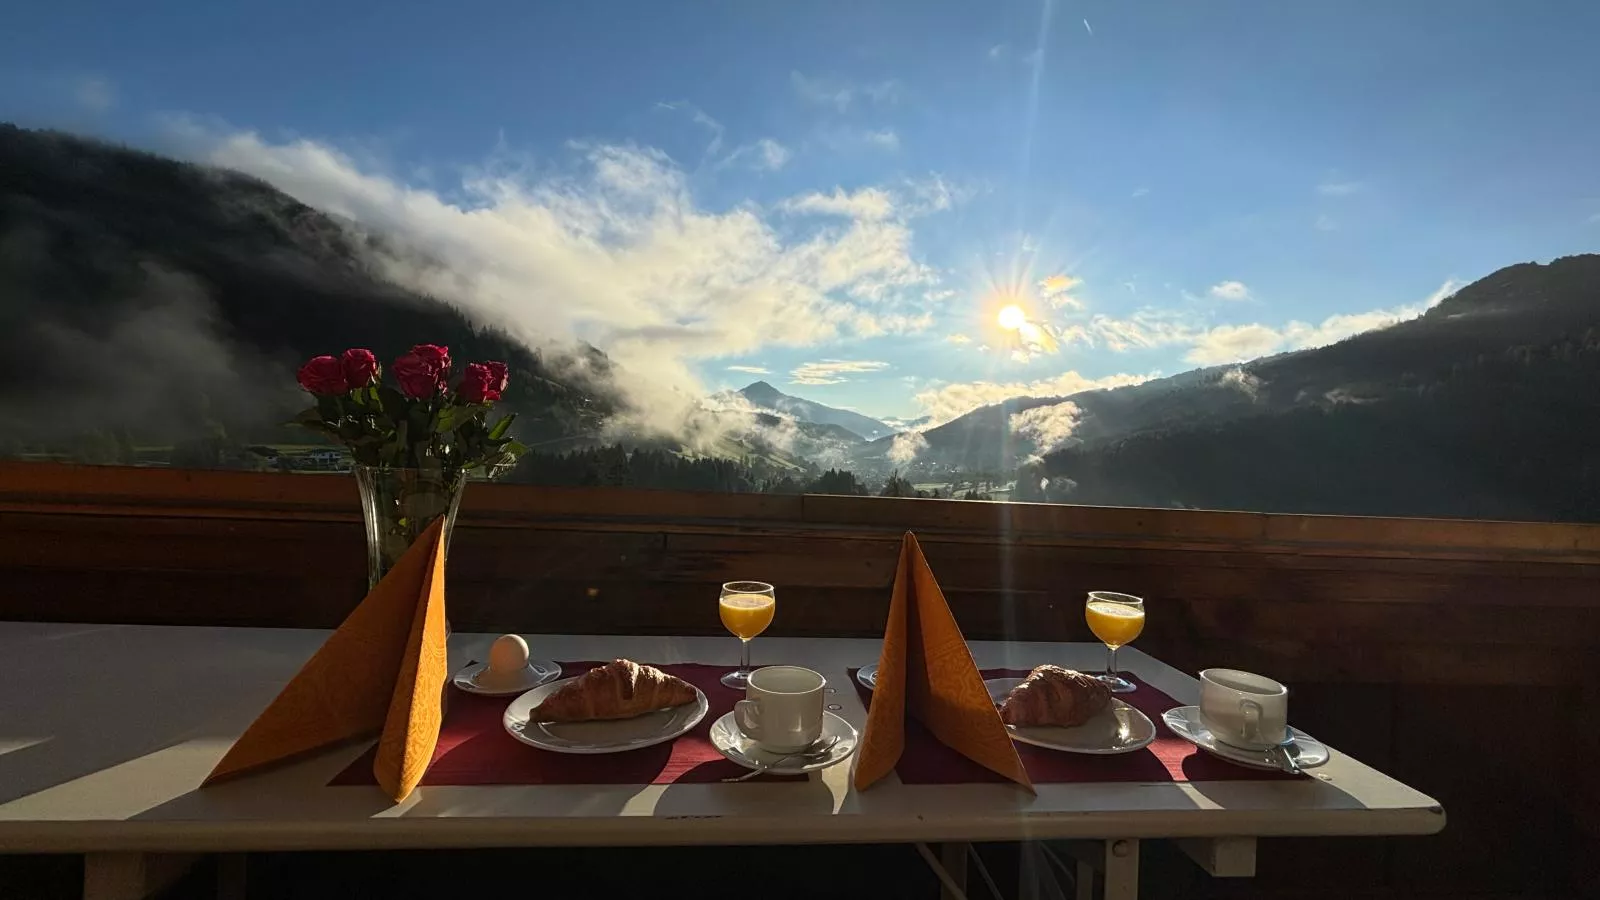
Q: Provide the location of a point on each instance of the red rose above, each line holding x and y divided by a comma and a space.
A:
483, 382
324, 375
360, 367
435, 354
419, 378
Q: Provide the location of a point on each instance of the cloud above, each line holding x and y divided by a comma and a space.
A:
1339, 188
1054, 291
1247, 383
1237, 343
1325, 223
1234, 343
867, 203
948, 401
842, 95
749, 370
1140, 192
882, 139
94, 94
1593, 219
998, 51
833, 371
1230, 290
1048, 427
699, 117
764, 155
905, 447
612, 249
959, 339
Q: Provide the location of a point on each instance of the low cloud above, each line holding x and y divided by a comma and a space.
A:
833, 371
948, 401
750, 370
905, 447
1048, 427
959, 339
1234, 343
1230, 290
612, 250
1247, 383
765, 155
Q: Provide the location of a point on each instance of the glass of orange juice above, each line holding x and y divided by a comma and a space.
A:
1115, 619
746, 608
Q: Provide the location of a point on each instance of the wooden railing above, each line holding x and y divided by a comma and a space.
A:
1461, 656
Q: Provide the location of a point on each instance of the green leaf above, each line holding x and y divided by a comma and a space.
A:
329, 408
501, 427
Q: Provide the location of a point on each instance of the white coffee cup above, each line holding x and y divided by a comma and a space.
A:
782, 709
1243, 709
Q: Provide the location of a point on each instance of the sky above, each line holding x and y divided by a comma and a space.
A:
848, 199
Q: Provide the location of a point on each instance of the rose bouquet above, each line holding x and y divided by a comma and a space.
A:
414, 444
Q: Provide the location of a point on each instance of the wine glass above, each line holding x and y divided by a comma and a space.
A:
746, 608
1115, 619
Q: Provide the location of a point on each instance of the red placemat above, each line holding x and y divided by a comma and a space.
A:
474, 748
1169, 758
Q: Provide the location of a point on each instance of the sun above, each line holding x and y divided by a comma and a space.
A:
1012, 317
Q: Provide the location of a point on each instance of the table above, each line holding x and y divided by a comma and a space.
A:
107, 730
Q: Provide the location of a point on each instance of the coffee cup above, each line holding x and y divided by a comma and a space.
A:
1243, 709
782, 709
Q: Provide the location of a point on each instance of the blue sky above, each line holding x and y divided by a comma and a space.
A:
845, 194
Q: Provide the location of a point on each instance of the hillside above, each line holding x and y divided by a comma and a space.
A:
1484, 407
159, 301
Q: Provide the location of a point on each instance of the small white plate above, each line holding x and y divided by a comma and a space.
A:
535, 673
1119, 728
605, 736
1185, 723
732, 743
868, 676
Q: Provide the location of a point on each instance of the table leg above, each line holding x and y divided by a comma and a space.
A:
1122, 869
132, 876
954, 857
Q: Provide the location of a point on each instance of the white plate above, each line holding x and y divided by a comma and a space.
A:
732, 743
1185, 723
1119, 728
535, 673
868, 676
607, 736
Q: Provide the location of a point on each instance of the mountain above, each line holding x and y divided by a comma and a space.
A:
149, 301
764, 396
1484, 407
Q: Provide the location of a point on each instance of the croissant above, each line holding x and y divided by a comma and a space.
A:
1051, 695
620, 689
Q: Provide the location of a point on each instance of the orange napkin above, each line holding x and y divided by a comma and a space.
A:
383, 668
925, 669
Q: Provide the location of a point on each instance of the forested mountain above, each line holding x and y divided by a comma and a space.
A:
764, 396
155, 301
1487, 406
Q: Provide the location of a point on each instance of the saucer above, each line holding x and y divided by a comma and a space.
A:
868, 676
732, 743
535, 673
1119, 728
1185, 723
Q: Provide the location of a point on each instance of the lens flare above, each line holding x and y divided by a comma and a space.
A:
1012, 317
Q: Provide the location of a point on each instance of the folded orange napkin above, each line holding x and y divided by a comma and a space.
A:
926, 670
384, 669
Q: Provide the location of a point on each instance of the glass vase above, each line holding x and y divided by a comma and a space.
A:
397, 505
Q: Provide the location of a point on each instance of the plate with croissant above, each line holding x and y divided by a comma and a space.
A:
609, 709
1063, 709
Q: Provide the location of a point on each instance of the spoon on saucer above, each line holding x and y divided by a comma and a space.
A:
815, 751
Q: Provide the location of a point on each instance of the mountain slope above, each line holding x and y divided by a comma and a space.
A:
1484, 407
163, 300
764, 396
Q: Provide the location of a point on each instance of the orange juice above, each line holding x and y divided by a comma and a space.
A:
746, 615
1114, 623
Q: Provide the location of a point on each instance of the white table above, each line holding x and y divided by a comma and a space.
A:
107, 730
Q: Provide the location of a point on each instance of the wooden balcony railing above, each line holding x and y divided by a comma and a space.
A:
1460, 656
